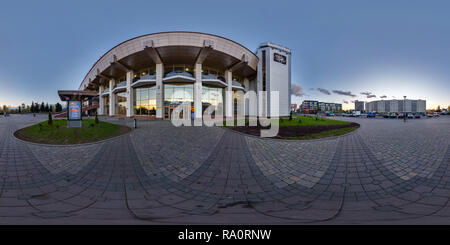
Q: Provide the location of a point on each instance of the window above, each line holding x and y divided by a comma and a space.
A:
178, 93
145, 101
263, 63
121, 103
212, 96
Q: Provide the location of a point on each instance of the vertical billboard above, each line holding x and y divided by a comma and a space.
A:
74, 110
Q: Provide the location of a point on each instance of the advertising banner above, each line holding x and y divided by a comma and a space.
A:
74, 110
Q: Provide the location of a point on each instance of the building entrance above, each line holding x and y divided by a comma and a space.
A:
168, 112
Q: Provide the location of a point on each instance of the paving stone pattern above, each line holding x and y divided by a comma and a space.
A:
386, 172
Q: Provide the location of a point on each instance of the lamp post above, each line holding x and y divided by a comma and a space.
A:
404, 108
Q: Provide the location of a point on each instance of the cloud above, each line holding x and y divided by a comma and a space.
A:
383, 96
346, 93
323, 91
297, 90
368, 94
345, 101
311, 89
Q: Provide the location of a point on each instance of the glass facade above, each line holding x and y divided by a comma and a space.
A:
178, 69
174, 93
178, 93
211, 71
212, 96
144, 73
145, 101
121, 103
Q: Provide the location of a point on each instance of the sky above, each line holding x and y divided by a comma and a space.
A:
340, 49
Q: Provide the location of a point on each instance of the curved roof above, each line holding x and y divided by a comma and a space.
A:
172, 48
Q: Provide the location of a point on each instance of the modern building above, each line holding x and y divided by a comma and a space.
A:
149, 75
404, 106
326, 106
314, 106
310, 106
359, 105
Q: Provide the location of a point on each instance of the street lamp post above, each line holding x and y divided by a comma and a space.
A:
404, 108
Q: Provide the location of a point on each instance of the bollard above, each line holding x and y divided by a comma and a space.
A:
134, 123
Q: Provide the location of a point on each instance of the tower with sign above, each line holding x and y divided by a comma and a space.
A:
274, 74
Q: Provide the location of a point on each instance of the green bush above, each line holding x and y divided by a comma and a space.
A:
96, 118
50, 119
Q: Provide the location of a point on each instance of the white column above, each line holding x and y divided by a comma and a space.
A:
198, 92
130, 97
159, 90
112, 105
229, 94
247, 88
100, 100
246, 84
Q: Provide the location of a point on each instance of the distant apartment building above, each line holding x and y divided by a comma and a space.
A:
384, 106
314, 106
359, 105
325, 106
310, 106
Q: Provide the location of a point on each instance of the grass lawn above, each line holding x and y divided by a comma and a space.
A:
60, 134
310, 121
298, 120
324, 134
302, 127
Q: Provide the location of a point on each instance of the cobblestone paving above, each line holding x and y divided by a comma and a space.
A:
387, 171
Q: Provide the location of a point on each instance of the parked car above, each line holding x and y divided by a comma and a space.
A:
436, 114
401, 115
410, 115
417, 115
393, 115
329, 114
385, 115
356, 113
429, 115
371, 114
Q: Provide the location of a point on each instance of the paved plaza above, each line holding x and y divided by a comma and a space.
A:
386, 172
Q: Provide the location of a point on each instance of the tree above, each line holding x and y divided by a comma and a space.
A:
58, 107
46, 108
42, 109
438, 108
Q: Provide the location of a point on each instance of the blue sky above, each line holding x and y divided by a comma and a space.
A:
390, 48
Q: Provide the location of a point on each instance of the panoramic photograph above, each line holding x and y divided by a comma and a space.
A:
225, 121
